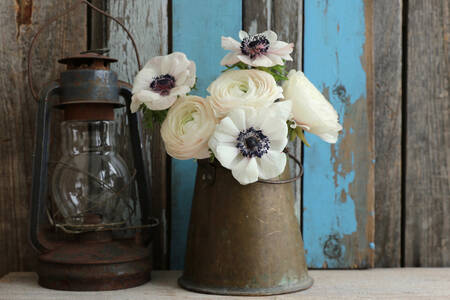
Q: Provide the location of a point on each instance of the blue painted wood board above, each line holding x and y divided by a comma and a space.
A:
197, 27
338, 188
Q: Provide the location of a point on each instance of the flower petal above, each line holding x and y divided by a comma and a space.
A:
135, 104
246, 171
281, 48
238, 118
283, 109
275, 128
270, 35
179, 90
243, 34
228, 126
143, 79
278, 144
262, 61
245, 59
229, 59
275, 59
231, 44
271, 164
227, 155
147, 96
159, 103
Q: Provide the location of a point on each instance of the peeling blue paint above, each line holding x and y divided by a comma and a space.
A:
333, 46
197, 29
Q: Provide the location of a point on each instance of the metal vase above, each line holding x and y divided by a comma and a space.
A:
243, 239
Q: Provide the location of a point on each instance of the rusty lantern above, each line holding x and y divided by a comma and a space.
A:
90, 242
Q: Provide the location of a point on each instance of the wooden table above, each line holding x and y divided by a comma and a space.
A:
408, 283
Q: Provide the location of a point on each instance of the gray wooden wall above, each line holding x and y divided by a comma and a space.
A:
411, 109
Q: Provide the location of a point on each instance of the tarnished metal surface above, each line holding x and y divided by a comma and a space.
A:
86, 57
243, 240
89, 86
95, 266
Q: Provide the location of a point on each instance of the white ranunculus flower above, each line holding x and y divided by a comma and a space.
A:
258, 50
311, 110
243, 88
187, 128
250, 142
162, 80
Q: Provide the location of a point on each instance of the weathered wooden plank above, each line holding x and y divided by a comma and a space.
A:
197, 28
405, 283
388, 133
286, 19
257, 15
338, 185
19, 21
96, 26
148, 23
427, 180
287, 22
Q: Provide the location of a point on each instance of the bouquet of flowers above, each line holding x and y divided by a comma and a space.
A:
253, 107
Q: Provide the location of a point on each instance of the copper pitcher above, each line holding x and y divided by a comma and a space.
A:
243, 239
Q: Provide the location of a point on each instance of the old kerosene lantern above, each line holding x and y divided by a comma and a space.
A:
87, 199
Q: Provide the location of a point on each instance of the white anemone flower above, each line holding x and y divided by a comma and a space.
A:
162, 80
250, 142
310, 109
258, 50
243, 88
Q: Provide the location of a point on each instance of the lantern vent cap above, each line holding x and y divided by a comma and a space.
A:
91, 59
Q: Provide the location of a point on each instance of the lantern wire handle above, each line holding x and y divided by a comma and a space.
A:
64, 13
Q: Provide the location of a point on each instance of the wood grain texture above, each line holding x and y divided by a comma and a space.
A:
19, 21
148, 23
427, 180
405, 284
197, 28
286, 19
388, 133
287, 22
338, 198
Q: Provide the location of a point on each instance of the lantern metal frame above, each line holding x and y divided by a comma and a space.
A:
95, 261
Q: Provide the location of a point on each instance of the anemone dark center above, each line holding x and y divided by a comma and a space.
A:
252, 142
254, 45
162, 84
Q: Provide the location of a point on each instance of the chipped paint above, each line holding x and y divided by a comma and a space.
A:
24, 12
337, 177
198, 40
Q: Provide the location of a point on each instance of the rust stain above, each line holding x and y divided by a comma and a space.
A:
343, 197
367, 63
332, 247
351, 156
24, 11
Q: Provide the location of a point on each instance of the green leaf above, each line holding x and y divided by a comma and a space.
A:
153, 116
292, 134
278, 72
301, 135
212, 157
240, 65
